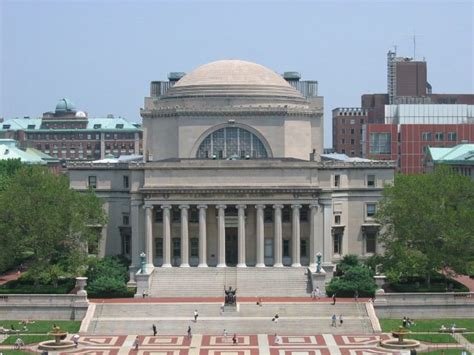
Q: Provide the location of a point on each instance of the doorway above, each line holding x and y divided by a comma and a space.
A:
231, 246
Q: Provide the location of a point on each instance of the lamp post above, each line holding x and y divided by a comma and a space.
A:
318, 262
142, 262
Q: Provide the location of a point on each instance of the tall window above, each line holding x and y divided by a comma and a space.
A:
125, 182
230, 142
92, 182
194, 247
268, 215
439, 136
337, 180
452, 136
303, 248
126, 240
176, 247
159, 247
268, 247
370, 180
370, 242
158, 215
286, 247
125, 219
286, 214
426, 136
371, 208
337, 243
380, 143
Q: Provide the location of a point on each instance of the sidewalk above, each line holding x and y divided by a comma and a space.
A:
466, 281
9, 276
264, 300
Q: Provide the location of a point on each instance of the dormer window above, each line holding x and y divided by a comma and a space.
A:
97, 126
119, 125
6, 126
31, 126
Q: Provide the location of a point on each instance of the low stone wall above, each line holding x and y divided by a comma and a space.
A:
60, 307
425, 305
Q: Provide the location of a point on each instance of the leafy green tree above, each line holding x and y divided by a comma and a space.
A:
8, 168
40, 213
427, 224
355, 277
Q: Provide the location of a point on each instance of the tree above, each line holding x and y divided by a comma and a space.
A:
353, 277
8, 168
42, 214
427, 224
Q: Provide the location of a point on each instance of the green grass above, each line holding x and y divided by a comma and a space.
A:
427, 325
43, 326
27, 339
433, 338
469, 337
444, 352
15, 352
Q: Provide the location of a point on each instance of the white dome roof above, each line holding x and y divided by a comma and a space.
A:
233, 78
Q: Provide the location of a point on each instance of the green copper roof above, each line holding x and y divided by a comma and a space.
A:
65, 105
10, 152
460, 154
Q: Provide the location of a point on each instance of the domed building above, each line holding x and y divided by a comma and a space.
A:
234, 180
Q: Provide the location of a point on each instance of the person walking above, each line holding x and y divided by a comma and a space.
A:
333, 321
340, 320
75, 340
234, 339
196, 315
317, 292
154, 330
224, 333
333, 298
190, 335
135, 343
277, 339
275, 318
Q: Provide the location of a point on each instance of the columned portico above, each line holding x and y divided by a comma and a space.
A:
149, 237
313, 233
166, 236
184, 236
221, 235
295, 236
260, 236
278, 250
202, 236
241, 236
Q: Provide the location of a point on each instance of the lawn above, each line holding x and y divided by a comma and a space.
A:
444, 352
469, 337
43, 326
27, 339
433, 338
15, 352
427, 325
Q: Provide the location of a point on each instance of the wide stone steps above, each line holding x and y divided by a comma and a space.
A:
294, 318
210, 282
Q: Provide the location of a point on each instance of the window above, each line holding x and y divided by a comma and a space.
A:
126, 244
337, 243
343, 141
452, 136
343, 131
304, 214
380, 143
439, 136
92, 181
193, 215
97, 126
371, 208
337, 219
353, 121
268, 248
176, 215
159, 247
286, 247
426, 136
125, 219
286, 214
303, 248
31, 126
6, 126
176, 247
158, 215
370, 180
352, 141
337, 180
352, 130
268, 215
125, 182
370, 242
194, 247
119, 125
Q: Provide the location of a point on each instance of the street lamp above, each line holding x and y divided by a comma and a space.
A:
142, 262
318, 262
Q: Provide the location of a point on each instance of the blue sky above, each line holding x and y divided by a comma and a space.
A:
103, 54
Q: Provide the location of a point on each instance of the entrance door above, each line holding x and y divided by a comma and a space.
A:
231, 246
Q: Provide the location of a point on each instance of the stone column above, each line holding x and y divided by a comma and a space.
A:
327, 236
295, 236
149, 237
260, 236
202, 236
278, 239
313, 226
241, 236
166, 236
184, 236
221, 235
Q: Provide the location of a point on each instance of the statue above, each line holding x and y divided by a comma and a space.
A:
230, 297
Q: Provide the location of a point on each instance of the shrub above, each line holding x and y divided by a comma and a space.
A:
105, 286
108, 277
25, 285
439, 283
358, 278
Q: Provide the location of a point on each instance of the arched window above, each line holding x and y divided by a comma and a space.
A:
231, 142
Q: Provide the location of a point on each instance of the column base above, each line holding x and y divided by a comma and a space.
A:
184, 265
260, 265
221, 265
202, 265
166, 265
296, 265
278, 265
241, 265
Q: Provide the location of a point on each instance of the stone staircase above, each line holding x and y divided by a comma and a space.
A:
210, 282
298, 318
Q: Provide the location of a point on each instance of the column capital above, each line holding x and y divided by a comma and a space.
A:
183, 207
163, 207
202, 206
278, 206
260, 206
296, 206
241, 206
147, 205
315, 205
223, 207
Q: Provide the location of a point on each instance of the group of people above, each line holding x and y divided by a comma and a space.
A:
407, 322
334, 320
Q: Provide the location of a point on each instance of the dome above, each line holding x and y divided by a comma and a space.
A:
65, 105
233, 78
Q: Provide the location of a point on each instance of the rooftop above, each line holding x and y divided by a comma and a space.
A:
460, 154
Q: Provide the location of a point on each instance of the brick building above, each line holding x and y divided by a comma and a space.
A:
69, 134
347, 130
